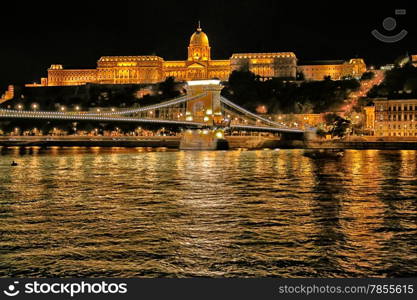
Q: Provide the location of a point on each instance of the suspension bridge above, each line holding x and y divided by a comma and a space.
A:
202, 107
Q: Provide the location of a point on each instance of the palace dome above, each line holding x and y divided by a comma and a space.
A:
199, 38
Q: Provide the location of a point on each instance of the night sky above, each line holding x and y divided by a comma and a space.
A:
77, 33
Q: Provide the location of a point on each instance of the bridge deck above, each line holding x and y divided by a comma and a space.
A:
136, 116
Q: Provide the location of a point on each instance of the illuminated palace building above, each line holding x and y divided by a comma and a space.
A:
152, 69
335, 69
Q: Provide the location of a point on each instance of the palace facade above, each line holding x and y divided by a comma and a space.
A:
152, 69
336, 69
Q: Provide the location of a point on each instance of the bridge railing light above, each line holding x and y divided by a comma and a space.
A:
203, 82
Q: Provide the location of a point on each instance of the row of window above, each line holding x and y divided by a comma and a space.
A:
263, 55
400, 108
400, 117
132, 58
322, 69
409, 133
402, 126
76, 78
402, 134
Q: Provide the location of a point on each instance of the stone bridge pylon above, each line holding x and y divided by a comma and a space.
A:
206, 109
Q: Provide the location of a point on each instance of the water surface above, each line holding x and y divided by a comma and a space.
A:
98, 212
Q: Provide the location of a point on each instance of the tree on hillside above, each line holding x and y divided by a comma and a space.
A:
368, 75
168, 88
396, 82
300, 76
244, 89
338, 126
281, 96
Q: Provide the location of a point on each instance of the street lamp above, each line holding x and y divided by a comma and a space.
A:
34, 106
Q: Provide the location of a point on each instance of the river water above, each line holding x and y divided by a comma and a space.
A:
139, 213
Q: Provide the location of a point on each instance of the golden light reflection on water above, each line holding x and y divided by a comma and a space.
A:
135, 212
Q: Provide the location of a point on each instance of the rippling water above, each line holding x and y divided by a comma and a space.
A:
134, 213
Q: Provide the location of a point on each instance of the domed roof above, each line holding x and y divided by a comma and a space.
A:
199, 38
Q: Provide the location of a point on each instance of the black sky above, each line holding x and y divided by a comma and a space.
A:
77, 33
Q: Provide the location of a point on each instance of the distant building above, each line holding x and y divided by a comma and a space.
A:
152, 69
8, 94
387, 67
414, 60
144, 92
336, 69
396, 117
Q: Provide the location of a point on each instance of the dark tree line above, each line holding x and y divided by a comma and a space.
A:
95, 95
281, 96
400, 82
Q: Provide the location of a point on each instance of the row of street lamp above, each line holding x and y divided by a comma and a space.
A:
35, 106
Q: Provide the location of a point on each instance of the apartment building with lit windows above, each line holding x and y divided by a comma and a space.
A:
396, 117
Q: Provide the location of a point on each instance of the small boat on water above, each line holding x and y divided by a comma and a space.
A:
324, 153
14, 164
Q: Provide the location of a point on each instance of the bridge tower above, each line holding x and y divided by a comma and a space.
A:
206, 109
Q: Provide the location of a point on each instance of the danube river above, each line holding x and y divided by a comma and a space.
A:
135, 213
